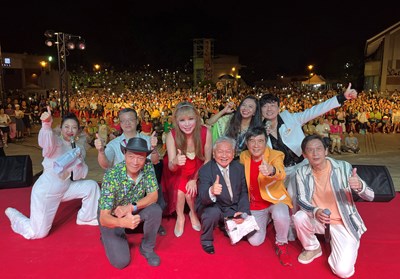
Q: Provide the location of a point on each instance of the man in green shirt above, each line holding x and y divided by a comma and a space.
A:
128, 197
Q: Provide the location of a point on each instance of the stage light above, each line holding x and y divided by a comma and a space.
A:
49, 33
81, 45
64, 42
71, 45
49, 43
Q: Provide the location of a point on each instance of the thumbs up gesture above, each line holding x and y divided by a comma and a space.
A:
350, 93
354, 181
46, 116
99, 143
180, 159
153, 140
265, 168
216, 188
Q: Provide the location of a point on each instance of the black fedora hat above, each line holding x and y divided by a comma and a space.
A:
136, 145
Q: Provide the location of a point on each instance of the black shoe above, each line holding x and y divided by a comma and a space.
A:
209, 249
152, 258
162, 231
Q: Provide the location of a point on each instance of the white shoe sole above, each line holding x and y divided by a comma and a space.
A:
94, 222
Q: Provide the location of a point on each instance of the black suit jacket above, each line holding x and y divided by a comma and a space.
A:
207, 175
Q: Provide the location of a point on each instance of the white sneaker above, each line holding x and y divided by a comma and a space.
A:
94, 222
307, 256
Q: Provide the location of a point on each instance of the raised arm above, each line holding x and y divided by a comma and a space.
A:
227, 109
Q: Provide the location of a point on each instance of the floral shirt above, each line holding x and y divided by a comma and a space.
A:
118, 188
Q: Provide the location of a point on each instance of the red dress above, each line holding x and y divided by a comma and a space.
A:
172, 181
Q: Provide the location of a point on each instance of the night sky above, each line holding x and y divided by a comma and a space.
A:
282, 39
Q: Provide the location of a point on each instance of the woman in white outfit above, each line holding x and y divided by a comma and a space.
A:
63, 170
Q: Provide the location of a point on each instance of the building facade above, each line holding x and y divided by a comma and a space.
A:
382, 61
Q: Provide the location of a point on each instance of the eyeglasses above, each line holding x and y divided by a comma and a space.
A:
127, 121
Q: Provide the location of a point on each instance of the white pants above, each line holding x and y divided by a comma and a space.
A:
344, 247
279, 213
47, 194
291, 186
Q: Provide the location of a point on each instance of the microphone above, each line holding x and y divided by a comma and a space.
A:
327, 226
241, 216
73, 144
267, 126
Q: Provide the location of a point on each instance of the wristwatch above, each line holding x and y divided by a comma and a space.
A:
135, 208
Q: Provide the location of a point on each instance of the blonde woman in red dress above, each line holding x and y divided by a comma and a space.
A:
189, 146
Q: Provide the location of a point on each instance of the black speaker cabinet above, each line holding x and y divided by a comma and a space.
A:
378, 178
16, 171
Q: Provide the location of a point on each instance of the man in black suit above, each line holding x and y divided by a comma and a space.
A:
220, 196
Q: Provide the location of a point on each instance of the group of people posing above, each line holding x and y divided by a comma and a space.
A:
250, 161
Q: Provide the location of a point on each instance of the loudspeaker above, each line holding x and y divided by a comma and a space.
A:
379, 179
16, 171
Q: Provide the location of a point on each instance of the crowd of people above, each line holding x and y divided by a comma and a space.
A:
253, 152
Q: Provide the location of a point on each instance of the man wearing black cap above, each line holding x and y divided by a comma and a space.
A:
129, 196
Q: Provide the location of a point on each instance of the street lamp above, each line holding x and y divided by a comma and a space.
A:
310, 68
43, 64
64, 43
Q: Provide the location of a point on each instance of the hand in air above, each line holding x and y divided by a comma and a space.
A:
153, 140
99, 143
46, 116
354, 181
350, 93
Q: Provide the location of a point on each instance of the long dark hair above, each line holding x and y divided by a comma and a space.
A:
236, 120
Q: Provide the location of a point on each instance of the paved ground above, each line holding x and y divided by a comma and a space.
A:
376, 149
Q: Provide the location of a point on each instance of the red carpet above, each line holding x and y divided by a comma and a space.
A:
72, 251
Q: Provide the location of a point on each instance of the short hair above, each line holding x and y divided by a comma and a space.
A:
70, 115
256, 131
225, 139
269, 98
309, 138
126, 110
